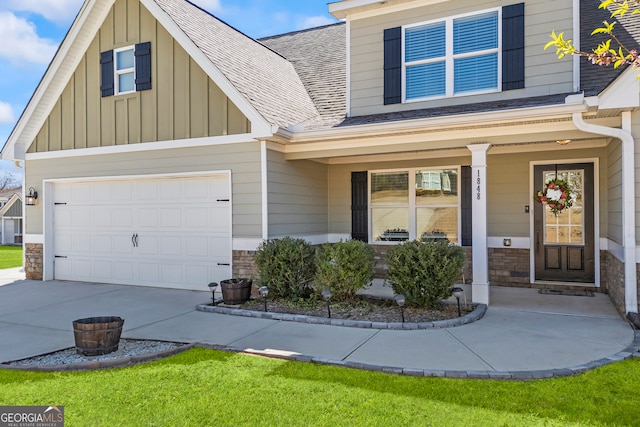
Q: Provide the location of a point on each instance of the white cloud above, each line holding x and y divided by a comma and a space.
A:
209, 5
314, 21
58, 11
21, 43
6, 113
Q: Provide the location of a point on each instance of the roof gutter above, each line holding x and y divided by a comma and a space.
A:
573, 105
628, 200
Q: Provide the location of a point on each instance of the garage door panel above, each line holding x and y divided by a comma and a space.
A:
182, 232
103, 271
170, 245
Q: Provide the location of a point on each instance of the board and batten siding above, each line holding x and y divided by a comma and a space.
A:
298, 196
544, 73
243, 159
182, 103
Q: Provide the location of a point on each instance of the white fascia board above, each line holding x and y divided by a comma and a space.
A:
258, 123
62, 66
435, 122
147, 146
358, 9
624, 92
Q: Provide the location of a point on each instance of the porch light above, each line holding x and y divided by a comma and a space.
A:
326, 294
563, 141
264, 292
401, 300
30, 199
458, 292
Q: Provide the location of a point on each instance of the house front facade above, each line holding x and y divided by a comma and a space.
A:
165, 145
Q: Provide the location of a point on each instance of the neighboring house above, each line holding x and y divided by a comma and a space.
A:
11, 221
423, 118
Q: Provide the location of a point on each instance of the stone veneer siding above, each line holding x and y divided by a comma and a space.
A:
244, 264
509, 267
612, 280
33, 261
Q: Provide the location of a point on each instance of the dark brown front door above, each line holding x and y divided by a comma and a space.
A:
563, 244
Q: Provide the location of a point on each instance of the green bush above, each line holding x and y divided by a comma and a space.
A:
286, 266
344, 267
424, 271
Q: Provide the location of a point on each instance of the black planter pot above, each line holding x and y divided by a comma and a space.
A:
236, 291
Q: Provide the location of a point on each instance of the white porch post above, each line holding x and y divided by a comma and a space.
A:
480, 284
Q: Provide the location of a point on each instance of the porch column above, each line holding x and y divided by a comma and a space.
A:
480, 284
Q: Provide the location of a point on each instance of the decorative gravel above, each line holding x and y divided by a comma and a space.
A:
126, 348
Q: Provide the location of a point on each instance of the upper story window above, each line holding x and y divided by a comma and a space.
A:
457, 55
466, 54
125, 70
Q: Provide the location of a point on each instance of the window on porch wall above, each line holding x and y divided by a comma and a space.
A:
430, 211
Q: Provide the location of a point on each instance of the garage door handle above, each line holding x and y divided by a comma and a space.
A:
134, 240
222, 263
60, 256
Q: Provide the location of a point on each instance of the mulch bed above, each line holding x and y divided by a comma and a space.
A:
368, 309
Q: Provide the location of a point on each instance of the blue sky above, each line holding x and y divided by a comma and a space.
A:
31, 30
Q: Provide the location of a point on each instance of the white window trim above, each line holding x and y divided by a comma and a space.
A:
117, 73
413, 205
450, 57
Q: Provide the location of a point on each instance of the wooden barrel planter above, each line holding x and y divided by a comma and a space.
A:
236, 291
95, 336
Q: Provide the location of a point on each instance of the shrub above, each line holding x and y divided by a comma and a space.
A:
344, 267
424, 271
286, 266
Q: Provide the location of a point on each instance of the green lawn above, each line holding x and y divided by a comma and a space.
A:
205, 387
10, 256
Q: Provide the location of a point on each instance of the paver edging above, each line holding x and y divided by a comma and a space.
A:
478, 312
92, 365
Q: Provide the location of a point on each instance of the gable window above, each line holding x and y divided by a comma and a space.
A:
454, 56
430, 210
125, 71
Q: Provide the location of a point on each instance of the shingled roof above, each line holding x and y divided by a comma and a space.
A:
593, 78
319, 57
266, 79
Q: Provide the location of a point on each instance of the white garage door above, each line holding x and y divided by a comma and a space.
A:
166, 232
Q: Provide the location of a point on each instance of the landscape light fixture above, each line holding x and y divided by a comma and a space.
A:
400, 300
458, 292
326, 294
30, 199
264, 292
212, 288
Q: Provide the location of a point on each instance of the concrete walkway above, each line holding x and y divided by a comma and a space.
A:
523, 334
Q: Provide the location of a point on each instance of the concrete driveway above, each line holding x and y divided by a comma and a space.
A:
522, 331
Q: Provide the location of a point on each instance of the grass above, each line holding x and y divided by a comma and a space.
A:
10, 256
205, 387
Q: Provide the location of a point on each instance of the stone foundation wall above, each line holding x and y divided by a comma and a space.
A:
33, 261
509, 267
614, 280
244, 265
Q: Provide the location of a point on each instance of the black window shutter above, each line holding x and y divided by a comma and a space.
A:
359, 207
465, 205
143, 66
106, 68
393, 66
513, 47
